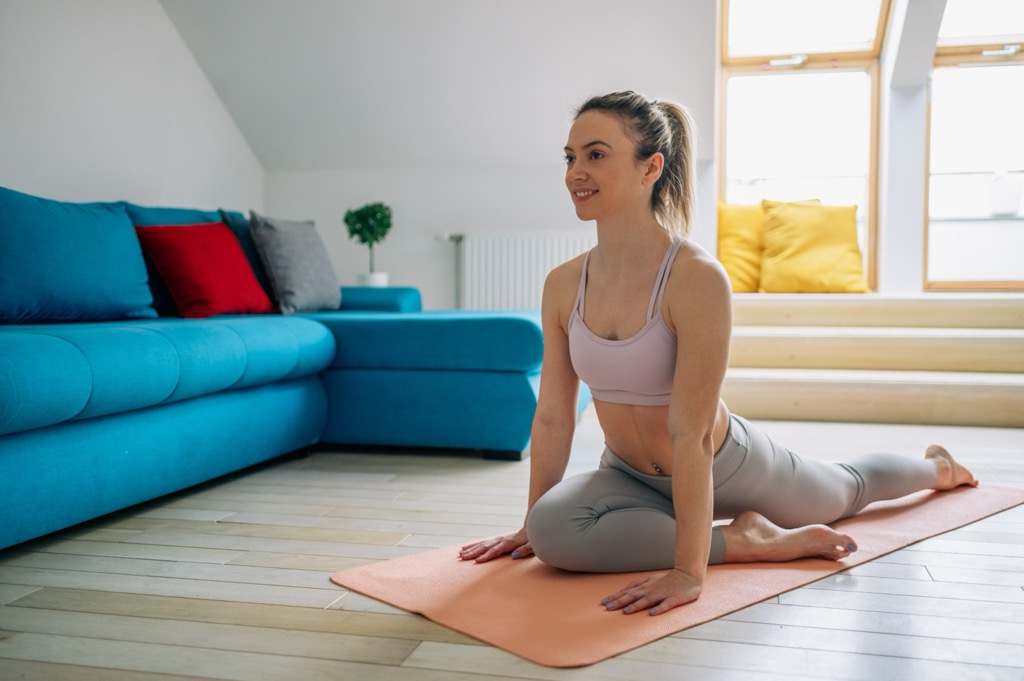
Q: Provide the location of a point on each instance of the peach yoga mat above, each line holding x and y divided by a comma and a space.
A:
554, 617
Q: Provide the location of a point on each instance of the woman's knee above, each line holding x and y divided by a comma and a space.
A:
553, 531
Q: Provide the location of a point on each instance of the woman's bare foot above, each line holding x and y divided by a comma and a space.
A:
751, 538
951, 474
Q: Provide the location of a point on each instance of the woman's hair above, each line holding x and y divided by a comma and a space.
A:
665, 127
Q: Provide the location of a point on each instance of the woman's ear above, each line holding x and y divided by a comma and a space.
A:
654, 166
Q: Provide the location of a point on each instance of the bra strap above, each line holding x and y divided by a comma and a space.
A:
658, 294
581, 293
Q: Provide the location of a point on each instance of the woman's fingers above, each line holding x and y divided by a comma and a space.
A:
630, 594
524, 551
488, 549
656, 595
481, 551
500, 548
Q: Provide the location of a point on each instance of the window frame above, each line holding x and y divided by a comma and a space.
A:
760, 61
956, 53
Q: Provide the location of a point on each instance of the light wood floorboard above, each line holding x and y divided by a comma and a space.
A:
230, 580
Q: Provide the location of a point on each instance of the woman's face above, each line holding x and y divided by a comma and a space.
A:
602, 174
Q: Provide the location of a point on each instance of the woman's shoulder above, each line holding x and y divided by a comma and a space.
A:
697, 273
567, 275
694, 260
560, 289
697, 288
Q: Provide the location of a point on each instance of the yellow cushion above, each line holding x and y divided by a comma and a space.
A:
810, 249
739, 244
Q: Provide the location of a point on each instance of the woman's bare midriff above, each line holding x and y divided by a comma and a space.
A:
639, 435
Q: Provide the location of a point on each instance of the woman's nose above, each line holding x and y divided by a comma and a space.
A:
576, 172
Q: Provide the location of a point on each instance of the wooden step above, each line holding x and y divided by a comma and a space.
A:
943, 310
915, 397
888, 348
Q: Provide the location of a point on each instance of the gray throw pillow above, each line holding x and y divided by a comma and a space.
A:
297, 265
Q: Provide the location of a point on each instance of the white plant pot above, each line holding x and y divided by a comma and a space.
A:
378, 279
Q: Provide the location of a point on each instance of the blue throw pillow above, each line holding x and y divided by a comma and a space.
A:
160, 215
64, 261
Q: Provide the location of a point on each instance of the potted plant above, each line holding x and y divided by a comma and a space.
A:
369, 225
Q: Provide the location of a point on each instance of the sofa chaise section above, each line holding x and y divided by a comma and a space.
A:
451, 379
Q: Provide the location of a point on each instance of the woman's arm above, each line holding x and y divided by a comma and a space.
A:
700, 309
554, 421
703, 320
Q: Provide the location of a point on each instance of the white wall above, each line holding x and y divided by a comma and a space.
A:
425, 203
102, 100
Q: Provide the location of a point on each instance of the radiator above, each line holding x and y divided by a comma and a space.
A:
506, 271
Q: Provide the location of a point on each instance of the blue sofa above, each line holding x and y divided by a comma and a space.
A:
100, 414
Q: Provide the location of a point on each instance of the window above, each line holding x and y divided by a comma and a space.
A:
810, 138
782, 28
800, 105
975, 230
973, 23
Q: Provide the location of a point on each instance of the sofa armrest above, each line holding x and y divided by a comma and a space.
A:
381, 299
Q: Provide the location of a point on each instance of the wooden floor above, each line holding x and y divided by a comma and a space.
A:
230, 581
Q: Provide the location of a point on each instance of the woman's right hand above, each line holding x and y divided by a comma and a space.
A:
484, 550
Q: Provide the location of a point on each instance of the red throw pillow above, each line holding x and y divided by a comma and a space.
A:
204, 268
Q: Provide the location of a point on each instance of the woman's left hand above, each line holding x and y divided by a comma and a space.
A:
656, 594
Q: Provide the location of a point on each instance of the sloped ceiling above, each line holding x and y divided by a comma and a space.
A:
334, 84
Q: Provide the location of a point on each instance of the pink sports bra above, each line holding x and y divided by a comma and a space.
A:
636, 370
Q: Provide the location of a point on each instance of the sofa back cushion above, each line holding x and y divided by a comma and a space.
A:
63, 261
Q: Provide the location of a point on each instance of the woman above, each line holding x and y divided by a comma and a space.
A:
645, 320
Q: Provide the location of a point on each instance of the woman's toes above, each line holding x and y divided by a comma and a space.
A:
837, 546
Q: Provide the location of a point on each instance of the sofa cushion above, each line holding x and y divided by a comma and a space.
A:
43, 380
381, 298
211, 357
130, 367
297, 265
279, 348
64, 261
205, 269
61, 372
159, 215
458, 340
240, 351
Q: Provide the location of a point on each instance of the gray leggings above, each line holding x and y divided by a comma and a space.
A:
617, 519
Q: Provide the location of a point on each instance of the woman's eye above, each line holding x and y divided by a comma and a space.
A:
596, 155
569, 159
